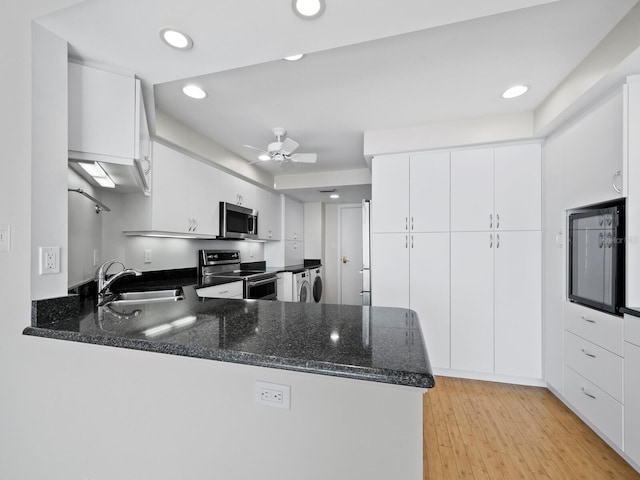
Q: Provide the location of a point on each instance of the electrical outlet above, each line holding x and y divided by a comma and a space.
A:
5, 238
147, 256
273, 394
49, 260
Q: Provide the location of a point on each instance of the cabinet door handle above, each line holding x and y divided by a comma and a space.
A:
558, 241
584, 390
223, 292
587, 319
411, 223
497, 240
406, 223
491, 240
406, 241
497, 220
491, 220
617, 175
587, 353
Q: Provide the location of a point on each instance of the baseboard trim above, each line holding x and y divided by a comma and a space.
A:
488, 377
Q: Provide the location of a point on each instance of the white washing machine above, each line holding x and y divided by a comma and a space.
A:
315, 280
301, 287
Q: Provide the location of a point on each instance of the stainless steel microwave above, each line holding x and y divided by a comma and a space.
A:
597, 256
238, 222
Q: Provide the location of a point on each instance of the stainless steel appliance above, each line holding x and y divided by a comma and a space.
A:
597, 256
366, 252
215, 264
237, 221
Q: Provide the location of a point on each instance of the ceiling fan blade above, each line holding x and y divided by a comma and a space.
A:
256, 148
289, 146
304, 158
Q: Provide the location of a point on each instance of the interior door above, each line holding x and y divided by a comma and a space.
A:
350, 255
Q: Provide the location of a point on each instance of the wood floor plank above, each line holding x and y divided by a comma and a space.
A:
484, 430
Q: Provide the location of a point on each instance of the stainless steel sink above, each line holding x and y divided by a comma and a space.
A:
148, 296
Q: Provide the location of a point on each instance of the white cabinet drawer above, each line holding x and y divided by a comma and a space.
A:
603, 411
598, 365
225, 290
632, 329
598, 327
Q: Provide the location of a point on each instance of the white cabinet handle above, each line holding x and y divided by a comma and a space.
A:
497, 220
406, 223
558, 241
490, 240
587, 353
411, 223
587, 319
491, 220
411, 241
584, 390
497, 240
617, 175
406, 241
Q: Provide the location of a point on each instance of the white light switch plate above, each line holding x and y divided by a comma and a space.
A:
5, 238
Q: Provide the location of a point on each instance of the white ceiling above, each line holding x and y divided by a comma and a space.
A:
370, 65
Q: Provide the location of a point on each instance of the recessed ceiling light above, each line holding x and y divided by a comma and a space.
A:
294, 58
515, 91
194, 91
176, 39
308, 9
334, 195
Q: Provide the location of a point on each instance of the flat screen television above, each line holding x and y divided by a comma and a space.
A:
597, 256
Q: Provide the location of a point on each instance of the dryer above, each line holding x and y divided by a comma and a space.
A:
315, 280
301, 287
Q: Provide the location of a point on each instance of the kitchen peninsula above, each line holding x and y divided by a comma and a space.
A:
356, 377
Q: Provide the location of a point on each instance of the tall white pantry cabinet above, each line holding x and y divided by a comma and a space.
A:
456, 237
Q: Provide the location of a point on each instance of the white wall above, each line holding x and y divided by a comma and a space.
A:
85, 230
314, 230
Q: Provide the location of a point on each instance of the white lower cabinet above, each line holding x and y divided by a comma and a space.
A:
632, 400
472, 301
225, 290
598, 407
495, 303
416, 276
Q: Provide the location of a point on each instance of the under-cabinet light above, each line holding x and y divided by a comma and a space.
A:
98, 174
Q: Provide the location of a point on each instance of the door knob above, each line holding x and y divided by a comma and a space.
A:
345, 259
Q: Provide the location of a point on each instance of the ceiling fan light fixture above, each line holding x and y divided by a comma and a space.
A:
264, 157
294, 58
194, 91
334, 196
308, 9
176, 39
515, 91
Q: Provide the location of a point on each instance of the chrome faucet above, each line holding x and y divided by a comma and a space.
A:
104, 284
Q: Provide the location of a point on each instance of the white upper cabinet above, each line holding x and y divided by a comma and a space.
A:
429, 192
472, 190
105, 112
236, 191
390, 206
269, 209
183, 199
496, 189
424, 206
518, 187
293, 220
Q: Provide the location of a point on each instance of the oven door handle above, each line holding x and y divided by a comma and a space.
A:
262, 282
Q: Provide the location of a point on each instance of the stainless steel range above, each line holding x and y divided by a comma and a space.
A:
214, 264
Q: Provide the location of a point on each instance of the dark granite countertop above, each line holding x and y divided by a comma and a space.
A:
366, 343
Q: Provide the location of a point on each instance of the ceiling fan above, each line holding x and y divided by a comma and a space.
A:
281, 151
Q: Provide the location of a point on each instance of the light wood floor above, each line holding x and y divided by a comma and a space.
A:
485, 430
